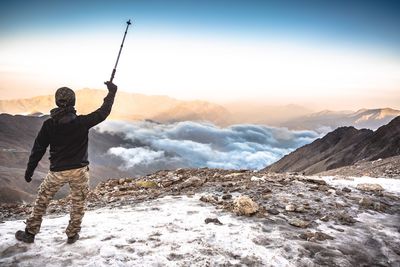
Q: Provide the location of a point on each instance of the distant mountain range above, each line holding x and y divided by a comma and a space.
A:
164, 109
329, 120
342, 147
128, 106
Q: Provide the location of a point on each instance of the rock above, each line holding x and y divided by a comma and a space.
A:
209, 199
345, 218
299, 223
227, 197
244, 205
324, 188
370, 187
324, 218
365, 202
316, 236
345, 189
320, 236
315, 180
332, 191
290, 207
273, 211
300, 209
235, 174
266, 190
194, 181
368, 203
306, 236
146, 184
213, 220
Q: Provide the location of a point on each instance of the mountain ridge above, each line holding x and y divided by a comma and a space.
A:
342, 147
127, 106
165, 109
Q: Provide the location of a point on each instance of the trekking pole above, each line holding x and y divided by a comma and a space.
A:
119, 53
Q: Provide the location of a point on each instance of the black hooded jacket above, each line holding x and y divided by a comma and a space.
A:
68, 139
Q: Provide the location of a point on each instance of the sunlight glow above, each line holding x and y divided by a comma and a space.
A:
213, 69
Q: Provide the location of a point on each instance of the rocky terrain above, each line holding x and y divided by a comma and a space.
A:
301, 220
388, 168
342, 147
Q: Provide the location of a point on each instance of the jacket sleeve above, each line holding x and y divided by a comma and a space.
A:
39, 149
101, 113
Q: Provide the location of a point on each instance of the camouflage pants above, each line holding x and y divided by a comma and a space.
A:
78, 182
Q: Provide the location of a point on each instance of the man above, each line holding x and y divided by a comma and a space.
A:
67, 135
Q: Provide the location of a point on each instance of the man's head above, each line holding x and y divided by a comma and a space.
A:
65, 97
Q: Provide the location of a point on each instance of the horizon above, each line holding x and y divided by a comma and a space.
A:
321, 56
228, 105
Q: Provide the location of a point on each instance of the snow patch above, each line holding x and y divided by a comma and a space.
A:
165, 232
389, 184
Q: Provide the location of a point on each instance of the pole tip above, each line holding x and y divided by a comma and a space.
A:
129, 22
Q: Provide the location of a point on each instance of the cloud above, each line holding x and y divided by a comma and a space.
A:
135, 156
196, 145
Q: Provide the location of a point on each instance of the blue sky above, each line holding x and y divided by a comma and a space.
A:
277, 51
364, 22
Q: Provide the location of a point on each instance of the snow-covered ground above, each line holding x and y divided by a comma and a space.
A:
164, 232
389, 184
171, 231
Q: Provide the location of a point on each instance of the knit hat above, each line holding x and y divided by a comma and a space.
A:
65, 97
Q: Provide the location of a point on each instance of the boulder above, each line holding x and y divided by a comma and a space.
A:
244, 205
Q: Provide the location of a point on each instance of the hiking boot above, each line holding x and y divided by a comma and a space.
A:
72, 239
25, 236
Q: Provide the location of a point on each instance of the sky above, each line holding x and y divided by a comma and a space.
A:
327, 55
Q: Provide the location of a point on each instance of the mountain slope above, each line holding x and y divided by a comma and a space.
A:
342, 147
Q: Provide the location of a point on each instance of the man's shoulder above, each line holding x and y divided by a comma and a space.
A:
48, 121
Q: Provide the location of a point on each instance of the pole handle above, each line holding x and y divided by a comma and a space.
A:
112, 76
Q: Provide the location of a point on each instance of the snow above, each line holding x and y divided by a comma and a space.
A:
171, 231
257, 179
389, 184
165, 232
370, 238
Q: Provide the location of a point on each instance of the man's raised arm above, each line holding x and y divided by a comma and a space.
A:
102, 113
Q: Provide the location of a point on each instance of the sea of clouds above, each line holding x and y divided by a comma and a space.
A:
194, 145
